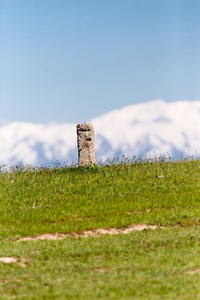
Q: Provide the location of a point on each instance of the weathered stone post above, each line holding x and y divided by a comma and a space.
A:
85, 141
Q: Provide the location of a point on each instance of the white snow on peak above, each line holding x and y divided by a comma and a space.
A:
151, 127
155, 127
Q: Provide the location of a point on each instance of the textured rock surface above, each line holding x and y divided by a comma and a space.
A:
85, 141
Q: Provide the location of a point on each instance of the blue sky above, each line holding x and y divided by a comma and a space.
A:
72, 60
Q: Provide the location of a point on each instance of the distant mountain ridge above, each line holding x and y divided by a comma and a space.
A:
155, 127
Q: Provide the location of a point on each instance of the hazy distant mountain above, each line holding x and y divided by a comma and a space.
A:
148, 128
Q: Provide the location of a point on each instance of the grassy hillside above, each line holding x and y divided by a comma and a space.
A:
160, 263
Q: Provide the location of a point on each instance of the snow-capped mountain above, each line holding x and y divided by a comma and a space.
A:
150, 128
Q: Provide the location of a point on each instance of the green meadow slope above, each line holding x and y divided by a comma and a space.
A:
161, 263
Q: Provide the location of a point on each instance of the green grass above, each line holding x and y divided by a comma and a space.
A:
141, 265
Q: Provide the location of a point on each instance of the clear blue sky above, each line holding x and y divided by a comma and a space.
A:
72, 60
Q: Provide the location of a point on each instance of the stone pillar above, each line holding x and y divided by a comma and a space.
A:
85, 141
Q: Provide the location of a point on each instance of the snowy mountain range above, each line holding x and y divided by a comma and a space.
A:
153, 128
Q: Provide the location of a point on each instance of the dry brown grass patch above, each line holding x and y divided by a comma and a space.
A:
92, 232
192, 272
20, 261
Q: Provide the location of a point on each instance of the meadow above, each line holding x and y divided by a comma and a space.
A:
54, 207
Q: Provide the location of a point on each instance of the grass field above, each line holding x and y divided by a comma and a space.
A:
151, 264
